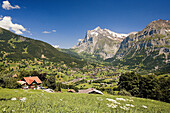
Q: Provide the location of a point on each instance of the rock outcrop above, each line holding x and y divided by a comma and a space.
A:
148, 48
100, 42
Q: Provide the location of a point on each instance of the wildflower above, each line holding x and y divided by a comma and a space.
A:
110, 100
99, 98
130, 105
61, 99
13, 98
23, 99
124, 108
109, 105
13, 110
127, 104
114, 101
144, 106
130, 100
121, 99
112, 105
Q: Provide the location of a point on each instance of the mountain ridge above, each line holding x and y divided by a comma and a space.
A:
99, 42
17, 47
149, 49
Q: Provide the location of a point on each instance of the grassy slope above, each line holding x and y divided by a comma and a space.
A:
42, 102
17, 47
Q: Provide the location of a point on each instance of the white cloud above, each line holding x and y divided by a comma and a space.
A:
6, 23
7, 6
49, 31
56, 46
53, 30
29, 32
46, 32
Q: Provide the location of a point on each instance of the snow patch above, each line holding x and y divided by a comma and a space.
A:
80, 40
167, 30
94, 33
116, 34
110, 37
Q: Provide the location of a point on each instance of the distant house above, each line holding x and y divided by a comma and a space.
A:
71, 90
90, 91
30, 82
15, 76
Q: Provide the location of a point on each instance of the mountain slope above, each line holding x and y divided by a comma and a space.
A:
100, 42
17, 47
148, 49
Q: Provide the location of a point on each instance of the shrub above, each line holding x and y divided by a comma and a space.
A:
51, 82
124, 93
76, 89
116, 92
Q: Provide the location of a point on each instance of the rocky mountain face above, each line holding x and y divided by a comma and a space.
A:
148, 49
100, 42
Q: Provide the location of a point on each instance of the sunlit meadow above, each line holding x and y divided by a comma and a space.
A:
31, 101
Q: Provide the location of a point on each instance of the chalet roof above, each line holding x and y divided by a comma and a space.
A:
86, 90
29, 80
90, 90
96, 91
71, 90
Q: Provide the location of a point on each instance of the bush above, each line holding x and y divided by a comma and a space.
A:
116, 92
148, 86
76, 89
124, 93
51, 82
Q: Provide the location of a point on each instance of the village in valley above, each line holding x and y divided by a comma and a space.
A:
35, 83
35, 74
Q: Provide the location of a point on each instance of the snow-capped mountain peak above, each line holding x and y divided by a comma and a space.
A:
106, 33
100, 39
97, 28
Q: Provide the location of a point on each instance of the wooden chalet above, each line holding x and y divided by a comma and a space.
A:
30, 82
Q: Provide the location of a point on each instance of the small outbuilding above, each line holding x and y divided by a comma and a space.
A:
71, 90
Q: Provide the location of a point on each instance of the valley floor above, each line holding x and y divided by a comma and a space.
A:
38, 101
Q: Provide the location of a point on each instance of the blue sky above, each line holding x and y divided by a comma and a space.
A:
72, 18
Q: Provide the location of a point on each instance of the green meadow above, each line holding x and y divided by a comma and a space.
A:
39, 101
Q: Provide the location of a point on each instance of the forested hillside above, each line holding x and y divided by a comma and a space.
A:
16, 47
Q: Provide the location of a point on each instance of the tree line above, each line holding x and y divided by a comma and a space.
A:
148, 86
